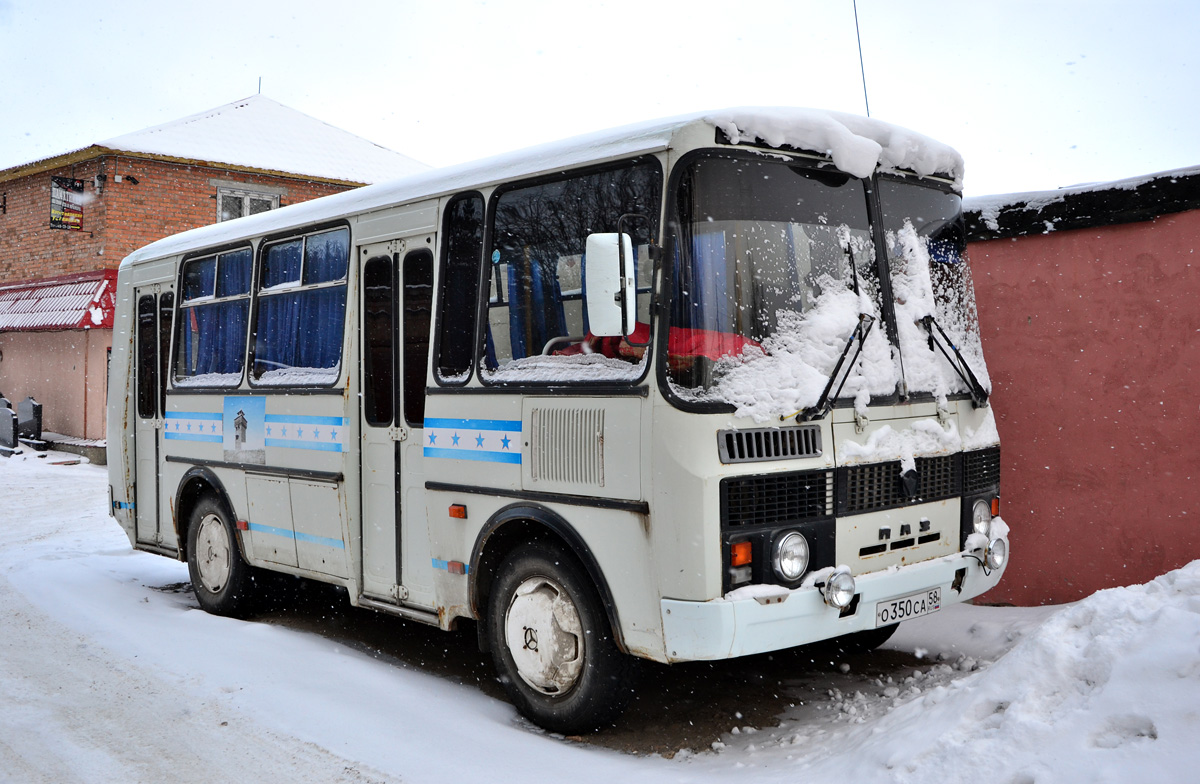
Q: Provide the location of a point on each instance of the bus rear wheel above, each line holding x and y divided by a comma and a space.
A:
220, 578
552, 644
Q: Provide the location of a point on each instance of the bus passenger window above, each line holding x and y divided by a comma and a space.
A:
537, 328
214, 309
147, 357
461, 250
379, 329
418, 308
300, 321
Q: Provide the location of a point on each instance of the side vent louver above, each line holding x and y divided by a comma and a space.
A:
567, 445
769, 443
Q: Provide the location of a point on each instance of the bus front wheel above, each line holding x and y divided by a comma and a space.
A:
552, 644
220, 578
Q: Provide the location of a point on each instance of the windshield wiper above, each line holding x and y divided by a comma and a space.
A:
825, 402
979, 395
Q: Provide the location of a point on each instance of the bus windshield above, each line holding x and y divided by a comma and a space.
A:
926, 251
773, 264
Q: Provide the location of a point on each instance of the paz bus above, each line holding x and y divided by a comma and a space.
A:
686, 390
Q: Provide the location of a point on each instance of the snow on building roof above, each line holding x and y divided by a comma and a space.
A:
857, 145
260, 133
82, 301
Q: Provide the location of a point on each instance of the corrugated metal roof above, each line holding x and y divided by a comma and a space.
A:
82, 301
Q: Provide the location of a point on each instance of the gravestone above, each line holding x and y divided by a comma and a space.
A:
29, 419
4, 402
8, 432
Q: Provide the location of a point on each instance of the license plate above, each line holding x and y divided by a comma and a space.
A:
912, 606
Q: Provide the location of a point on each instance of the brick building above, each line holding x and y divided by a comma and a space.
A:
66, 219
1087, 304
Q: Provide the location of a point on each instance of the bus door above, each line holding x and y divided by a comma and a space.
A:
396, 303
151, 345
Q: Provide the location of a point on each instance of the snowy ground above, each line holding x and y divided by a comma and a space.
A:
108, 672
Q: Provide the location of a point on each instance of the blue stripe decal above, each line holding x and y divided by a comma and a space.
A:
124, 505
297, 536
317, 445
192, 437
510, 425
484, 457
306, 420
192, 415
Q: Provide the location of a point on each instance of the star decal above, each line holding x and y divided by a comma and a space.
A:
506, 441
432, 439
479, 441
454, 439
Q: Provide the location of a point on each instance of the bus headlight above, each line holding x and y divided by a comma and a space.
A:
839, 591
791, 556
997, 553
981, 516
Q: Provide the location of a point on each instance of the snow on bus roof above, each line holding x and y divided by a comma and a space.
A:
857, 145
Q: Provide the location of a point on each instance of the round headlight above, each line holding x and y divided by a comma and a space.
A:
839, 591
981, 516
997, 552
791, 556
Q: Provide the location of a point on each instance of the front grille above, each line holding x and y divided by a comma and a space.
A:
867, 488
981, 470
776, 499
768, 443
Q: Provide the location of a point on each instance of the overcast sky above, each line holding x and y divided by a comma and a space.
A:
1035, 95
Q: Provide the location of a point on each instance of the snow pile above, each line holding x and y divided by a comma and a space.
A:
856, 144
1103, 690
791, 370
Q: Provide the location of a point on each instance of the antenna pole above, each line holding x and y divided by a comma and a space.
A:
859, 55
862, 68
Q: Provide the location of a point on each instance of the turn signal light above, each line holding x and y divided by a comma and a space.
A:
996, 506
739, 553
458, 511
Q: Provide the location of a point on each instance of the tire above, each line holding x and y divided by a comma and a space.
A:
552, 644
864, 641
221, 579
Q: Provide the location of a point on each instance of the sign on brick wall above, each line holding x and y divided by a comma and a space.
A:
66, 203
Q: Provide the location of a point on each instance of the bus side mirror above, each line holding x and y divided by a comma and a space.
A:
611, 289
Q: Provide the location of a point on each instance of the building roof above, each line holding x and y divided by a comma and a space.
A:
253, 134
82, 301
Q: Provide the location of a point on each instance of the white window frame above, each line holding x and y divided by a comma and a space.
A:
245, 194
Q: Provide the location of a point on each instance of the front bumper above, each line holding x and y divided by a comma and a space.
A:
723, 629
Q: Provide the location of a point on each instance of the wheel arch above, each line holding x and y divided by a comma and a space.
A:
196, 483
519, 523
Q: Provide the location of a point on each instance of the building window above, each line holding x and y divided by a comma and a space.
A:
233, 203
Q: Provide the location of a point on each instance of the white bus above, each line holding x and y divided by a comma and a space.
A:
688, 390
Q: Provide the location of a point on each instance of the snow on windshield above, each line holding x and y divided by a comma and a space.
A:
793, 366
924, 287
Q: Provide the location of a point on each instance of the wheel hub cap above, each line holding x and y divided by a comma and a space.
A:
213, 554
545, 636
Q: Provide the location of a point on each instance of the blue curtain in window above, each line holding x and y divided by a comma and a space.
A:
326, 256
282, 264
546, 313
700, 294
300, 329
235, 272
212, 338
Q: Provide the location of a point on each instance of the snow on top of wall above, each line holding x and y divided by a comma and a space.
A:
990, 207
847, 138
857, 144
263, 134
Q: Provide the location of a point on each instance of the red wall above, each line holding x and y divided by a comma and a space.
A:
1092, 339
